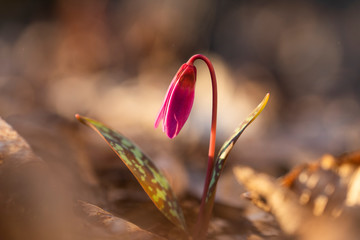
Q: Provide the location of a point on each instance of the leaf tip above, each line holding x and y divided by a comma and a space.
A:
80, 118
267, 96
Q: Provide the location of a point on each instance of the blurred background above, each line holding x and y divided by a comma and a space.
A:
113, 61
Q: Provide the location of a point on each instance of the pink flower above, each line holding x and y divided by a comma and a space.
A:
178, 101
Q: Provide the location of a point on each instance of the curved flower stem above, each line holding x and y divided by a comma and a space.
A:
206, 209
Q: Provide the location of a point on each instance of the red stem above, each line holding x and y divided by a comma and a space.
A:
205, 214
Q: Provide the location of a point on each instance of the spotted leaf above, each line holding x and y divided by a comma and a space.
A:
228, 145
150, 178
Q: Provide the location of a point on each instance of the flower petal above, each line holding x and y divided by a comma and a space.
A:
163, 108
178, 101
179, 108
160, 116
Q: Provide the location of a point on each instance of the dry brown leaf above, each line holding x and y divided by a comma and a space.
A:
112, 225
32, 203
290, 214
324, 194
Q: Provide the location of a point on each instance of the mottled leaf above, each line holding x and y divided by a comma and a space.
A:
150, 178
228, 145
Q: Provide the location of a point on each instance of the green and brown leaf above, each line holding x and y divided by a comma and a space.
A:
228, 145
150, 178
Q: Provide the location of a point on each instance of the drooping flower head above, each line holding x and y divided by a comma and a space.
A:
178, 101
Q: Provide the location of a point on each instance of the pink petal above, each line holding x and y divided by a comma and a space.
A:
178, 109
159, 117
164, 106
178, 101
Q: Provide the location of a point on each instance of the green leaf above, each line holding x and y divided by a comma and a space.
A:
150, 178
228, 145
